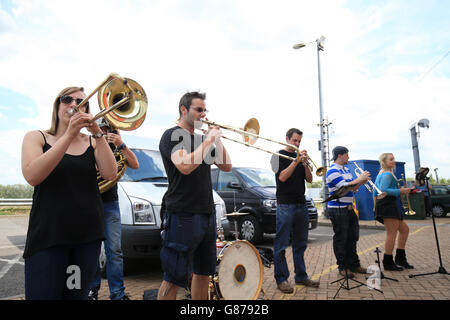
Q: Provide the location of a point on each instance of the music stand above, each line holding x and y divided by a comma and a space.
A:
441, 270
379, 266
347, 286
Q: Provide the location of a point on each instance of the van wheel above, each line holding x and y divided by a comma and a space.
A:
438, 211
102, 261
250, 229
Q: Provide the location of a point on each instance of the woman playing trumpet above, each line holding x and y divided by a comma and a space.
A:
386, 212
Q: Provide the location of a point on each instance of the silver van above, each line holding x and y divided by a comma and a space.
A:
140, 193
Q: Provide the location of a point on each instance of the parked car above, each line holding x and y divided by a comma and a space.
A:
253, 191
440, 200
140, 193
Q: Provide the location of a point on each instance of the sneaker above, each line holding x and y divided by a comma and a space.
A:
308, 283
350, 274
92, 295
285, 287
360, 270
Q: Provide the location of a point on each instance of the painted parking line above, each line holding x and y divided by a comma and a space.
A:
9, 265
320, 235
12, 261
287, 296
12, 246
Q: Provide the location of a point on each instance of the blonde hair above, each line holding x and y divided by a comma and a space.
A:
383, 159
56, 103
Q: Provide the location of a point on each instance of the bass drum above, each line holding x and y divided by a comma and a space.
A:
240, 272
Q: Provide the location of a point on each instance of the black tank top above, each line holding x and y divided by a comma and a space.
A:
67, 207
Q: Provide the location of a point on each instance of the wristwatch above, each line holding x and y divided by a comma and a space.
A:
97, 135
122, 146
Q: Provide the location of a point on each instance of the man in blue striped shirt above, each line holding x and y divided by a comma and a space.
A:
343, 217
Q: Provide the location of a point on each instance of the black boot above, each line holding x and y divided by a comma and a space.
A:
400, 259
388, 263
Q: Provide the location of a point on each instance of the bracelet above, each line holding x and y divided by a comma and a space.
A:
122, 146
97, 135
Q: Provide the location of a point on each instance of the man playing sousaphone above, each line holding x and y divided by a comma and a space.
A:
113, 225
292, 218
188, 214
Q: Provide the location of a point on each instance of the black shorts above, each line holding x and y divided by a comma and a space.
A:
189, 246
387, 208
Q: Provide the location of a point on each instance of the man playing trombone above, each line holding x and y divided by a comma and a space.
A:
189, 221
292, 219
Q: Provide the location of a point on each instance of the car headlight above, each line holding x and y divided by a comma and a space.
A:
142, 211
270, 203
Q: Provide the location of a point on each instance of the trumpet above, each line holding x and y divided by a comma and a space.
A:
250, 134
370, 185
408, 212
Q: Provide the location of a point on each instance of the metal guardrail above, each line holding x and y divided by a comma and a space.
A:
15, 202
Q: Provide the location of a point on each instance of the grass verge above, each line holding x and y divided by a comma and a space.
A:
12, 211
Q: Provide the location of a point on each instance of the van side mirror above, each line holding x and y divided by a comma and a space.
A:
234, 185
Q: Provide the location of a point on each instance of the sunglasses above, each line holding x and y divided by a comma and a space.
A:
200, 110
69, 99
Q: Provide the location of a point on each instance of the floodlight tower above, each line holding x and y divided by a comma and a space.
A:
415, 133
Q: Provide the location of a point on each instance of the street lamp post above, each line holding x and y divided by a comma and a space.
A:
424, 123
437, 178
323, 143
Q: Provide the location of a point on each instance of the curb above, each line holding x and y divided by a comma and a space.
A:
361, 226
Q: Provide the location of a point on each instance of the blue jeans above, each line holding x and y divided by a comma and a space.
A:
47, 273
113, 251
346, 235
292, 222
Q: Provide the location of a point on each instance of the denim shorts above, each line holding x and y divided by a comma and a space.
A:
189, 246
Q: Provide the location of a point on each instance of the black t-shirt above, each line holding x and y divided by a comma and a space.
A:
190, 193
110, 195
293, 189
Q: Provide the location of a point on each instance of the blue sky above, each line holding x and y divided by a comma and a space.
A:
376, 69
15, 106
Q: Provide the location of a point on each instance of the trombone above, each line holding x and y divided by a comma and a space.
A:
250, 134
320, 171
123, 105
127, 99
370, 185
408, 212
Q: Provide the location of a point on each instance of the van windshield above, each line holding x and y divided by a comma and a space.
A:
151, 167
256, 177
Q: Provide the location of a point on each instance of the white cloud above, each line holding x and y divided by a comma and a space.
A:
240, 53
